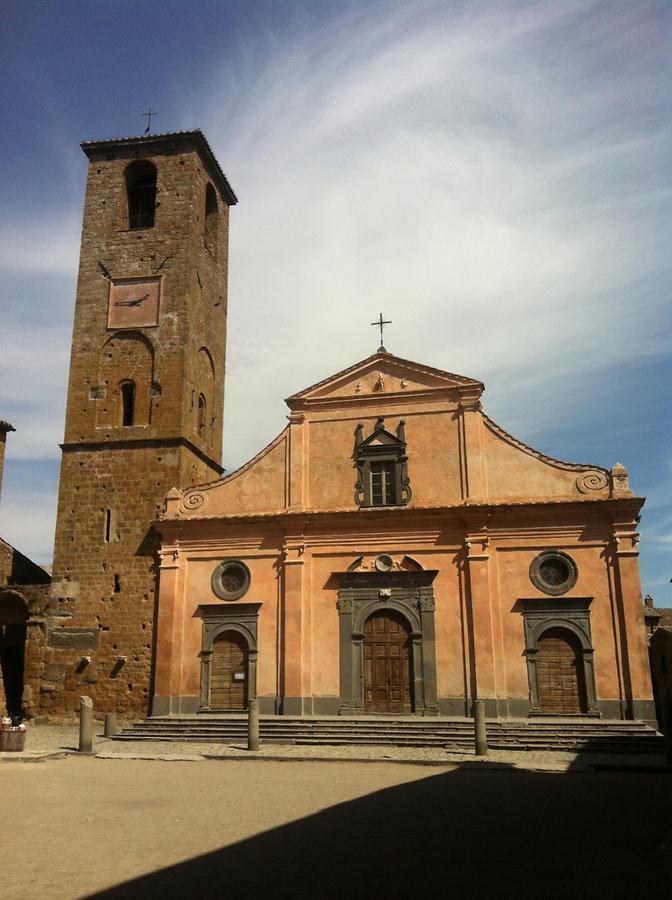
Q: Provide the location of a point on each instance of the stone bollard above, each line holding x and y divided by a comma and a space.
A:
253, 725
85, 725
110, 725
480, 735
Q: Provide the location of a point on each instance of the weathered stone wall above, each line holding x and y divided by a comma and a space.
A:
114, 477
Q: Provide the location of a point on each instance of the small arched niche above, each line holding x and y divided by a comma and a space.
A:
140, 177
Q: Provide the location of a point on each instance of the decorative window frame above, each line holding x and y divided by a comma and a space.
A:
381, 446
573, 615
242, 618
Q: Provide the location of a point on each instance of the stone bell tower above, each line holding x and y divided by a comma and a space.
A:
145, 400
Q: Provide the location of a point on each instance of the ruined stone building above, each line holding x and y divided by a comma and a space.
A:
393, 550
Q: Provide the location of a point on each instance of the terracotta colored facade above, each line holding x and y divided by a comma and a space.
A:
392, 500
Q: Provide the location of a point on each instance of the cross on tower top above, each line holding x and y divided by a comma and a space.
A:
149, 115
381, 323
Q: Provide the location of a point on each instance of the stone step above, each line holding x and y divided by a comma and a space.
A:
429, 725
594, 735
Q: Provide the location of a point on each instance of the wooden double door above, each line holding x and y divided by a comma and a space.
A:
229, 671
387, 663
562, 683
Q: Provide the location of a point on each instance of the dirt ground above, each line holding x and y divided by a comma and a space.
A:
117, 828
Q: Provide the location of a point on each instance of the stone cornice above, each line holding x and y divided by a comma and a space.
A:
141, 443
481, 511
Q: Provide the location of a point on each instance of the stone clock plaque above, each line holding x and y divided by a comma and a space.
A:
134, 302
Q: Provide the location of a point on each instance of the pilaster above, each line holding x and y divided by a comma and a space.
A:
627, 583
479, 589
296, 630
472, 457
169, 634
296, 473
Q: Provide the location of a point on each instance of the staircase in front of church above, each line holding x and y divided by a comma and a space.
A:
576, 735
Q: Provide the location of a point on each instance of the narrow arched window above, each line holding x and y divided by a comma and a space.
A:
211, 216
201, 415
127, 390
141, 193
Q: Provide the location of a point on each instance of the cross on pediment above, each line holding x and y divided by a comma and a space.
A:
381, 323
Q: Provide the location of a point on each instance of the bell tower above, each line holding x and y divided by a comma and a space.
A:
145, 401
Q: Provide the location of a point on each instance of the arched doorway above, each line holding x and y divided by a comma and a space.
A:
13, 618
560, 673
387, 663
229, 671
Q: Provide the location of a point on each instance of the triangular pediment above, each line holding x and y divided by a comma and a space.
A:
380, 438
382, 374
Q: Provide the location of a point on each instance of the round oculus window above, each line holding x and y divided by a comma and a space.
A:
553, 572
231, 579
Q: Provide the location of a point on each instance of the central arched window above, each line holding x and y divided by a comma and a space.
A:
127, 392
141, 193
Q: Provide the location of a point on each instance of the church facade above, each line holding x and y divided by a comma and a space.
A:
394, 551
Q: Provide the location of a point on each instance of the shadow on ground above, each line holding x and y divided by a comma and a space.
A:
468, 833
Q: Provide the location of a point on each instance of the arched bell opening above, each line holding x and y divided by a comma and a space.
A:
140, 177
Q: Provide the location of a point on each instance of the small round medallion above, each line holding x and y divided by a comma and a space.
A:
383, 563
231, 579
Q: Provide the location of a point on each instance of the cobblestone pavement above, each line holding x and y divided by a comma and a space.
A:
43, 740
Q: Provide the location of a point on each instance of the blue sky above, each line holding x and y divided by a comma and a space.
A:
494, 176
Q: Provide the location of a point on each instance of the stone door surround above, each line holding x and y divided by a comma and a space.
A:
409, 593
572, 615
242, 618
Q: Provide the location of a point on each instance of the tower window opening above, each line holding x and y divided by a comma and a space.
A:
127, 389
201, 415
108, 525
141, 193
211, 216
